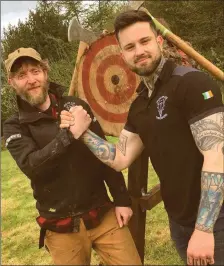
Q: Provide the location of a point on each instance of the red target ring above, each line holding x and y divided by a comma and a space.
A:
123, 95
116, 98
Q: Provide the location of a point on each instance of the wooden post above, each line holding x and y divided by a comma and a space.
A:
138, 180
74, 83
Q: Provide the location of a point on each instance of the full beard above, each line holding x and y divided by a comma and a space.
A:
148, 69
37, 99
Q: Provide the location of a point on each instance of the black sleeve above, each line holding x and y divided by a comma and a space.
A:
33, 161
113, 179
130, 123
199, 96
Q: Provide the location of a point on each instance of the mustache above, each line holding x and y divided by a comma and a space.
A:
33, 87
137, 59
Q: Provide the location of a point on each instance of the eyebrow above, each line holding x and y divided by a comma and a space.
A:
145, 38
142, 39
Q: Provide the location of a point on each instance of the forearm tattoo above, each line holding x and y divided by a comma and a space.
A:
102, 149
212, 195
209, 133
121, 145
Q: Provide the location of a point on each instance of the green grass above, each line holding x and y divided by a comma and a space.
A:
20, 233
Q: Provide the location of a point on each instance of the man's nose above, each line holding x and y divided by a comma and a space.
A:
31, 78
139, 49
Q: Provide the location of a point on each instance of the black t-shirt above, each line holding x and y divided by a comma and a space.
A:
181, 97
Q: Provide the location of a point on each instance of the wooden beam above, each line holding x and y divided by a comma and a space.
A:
137, 180
151, 199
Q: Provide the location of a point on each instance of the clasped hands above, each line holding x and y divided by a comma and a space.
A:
76, 119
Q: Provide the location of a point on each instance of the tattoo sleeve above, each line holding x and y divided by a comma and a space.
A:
102, 149
209, 133
209, 136
212, 192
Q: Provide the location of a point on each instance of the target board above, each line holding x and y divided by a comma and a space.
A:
105, 82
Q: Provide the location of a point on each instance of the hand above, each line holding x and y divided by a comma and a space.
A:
67, 119
200, 249
77, 120
123, 215
82, 121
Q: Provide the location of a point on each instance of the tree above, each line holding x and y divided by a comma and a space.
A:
199, 22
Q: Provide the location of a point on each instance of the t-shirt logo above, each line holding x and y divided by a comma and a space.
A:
161, 106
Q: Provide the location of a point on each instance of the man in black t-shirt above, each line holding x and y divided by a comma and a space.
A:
178, 118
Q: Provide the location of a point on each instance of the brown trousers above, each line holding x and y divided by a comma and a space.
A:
113, 244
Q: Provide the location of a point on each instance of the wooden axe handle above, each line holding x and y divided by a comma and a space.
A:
188, 50
74, 83
201, 60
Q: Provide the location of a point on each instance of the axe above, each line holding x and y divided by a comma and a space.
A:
77, 33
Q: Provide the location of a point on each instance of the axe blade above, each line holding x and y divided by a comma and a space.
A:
77, 33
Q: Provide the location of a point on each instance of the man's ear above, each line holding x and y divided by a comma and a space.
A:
46, 73
160, 40
11, 83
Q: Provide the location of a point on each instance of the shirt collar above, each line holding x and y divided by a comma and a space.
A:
150, 81
164, 72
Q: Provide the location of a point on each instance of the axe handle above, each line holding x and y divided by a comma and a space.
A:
188, 50
74, 83
201, 60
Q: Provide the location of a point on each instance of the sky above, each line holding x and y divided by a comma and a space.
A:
12, 11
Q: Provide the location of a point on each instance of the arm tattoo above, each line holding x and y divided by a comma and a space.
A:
121, 145
100, 148
209, 133
212, 195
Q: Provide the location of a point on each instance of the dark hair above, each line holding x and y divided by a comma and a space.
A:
26, 59
130, 17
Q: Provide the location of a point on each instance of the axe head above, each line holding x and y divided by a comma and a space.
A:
77, 33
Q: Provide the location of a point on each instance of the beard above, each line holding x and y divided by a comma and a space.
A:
148, 68
38, 99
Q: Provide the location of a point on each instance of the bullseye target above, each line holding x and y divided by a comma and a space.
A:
107, 84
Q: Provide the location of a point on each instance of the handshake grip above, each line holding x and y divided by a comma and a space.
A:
77, 120
81, 121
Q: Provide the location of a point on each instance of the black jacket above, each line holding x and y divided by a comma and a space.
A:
66, 178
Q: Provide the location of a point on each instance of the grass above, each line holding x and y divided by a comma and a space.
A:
20, 232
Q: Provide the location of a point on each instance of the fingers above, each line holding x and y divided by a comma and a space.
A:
126, 219
66, 119
197, 261
200, 261
76, 108
210, 260
190, 261
123, 215
64, 112
119, 219
64, 125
